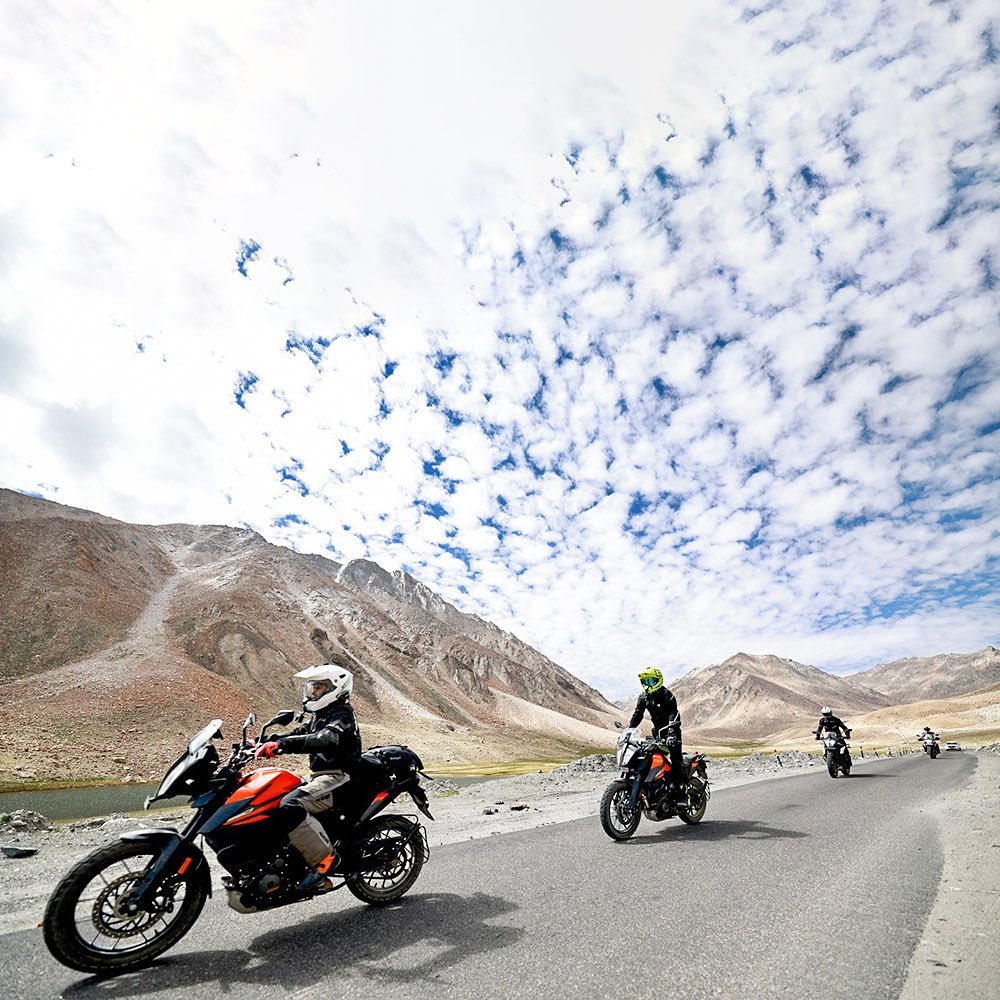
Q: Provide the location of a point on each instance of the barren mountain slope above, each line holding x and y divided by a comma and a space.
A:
748, 697
399, 594
52, 607
197, 621
917, 678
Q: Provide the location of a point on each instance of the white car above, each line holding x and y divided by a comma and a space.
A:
952, 745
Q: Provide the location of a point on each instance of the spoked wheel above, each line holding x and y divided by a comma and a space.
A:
618, 819
86, 926
402, 865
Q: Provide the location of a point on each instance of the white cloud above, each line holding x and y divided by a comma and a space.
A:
680, 328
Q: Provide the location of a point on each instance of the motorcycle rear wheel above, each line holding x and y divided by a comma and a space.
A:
84, 910
619, 822
696, 812
386, 885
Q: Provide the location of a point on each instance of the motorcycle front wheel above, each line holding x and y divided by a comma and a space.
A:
618, 819
831, 765
86, 927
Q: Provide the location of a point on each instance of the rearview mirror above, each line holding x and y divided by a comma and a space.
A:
251, 720
285, 716
618, 725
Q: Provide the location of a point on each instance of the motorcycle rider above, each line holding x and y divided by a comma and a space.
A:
333, 742
928, 733
830, 722
661, 704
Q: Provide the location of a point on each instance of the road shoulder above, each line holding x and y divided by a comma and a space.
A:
957, 955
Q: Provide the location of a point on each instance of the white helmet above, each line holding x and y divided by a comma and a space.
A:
324, 685
826, 710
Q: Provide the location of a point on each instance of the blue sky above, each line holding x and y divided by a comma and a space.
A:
649, 341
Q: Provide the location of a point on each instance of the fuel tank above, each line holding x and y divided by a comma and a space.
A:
259, 794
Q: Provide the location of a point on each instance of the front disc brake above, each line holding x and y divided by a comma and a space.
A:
109, 917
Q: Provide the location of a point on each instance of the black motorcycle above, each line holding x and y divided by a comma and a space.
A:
836, 753
644, 787
931, 744
130, 901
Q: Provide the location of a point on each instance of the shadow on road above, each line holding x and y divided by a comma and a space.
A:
721, 829
868, 774
441, 929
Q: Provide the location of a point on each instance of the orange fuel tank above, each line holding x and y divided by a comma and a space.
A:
263, 790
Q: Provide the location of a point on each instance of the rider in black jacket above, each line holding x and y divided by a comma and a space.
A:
332, 740
664, 715
827, 720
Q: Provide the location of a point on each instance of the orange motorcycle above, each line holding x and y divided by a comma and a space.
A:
128, 902
645, 786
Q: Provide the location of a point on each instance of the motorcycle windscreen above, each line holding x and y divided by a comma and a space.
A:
195, 753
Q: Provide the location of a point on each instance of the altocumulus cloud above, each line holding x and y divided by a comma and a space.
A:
709, 364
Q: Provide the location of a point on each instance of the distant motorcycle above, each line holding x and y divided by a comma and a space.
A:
131, 900
836, 752
931, 745
643, 788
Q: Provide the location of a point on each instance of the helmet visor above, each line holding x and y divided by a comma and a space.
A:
314, 690
649, 682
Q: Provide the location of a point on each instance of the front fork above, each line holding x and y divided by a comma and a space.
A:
178, 853
633, 799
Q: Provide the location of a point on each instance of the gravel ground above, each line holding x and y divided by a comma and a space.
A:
957, 955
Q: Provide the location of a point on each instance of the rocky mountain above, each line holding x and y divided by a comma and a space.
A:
918, 678
748, 697
118, 640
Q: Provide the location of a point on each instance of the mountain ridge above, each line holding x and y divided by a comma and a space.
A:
209, 619
941, 675
752, 697
192, 621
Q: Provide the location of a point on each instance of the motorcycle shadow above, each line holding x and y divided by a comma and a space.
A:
720, 829
439, 929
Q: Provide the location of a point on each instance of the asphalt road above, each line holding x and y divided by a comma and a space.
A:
792, 888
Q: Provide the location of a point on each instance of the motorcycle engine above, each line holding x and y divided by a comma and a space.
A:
271, 878
271, 882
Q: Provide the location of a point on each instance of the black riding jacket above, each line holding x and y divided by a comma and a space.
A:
330, 737
662, 708
833, 724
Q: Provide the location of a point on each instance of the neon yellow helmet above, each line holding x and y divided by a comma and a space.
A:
651, 680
